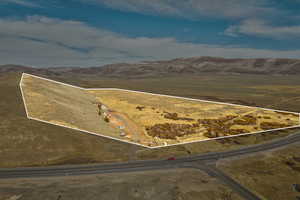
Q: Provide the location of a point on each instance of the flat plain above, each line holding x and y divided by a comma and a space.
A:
148, 119
168, 120
133, 186
32, 143
271, 174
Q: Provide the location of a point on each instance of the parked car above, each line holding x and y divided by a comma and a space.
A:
172, 158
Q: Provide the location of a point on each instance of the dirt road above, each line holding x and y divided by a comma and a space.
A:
132, 130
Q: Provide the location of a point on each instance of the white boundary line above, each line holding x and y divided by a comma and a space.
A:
44, 121
229, 136
105, 136
186, 98
23, 98
92, 133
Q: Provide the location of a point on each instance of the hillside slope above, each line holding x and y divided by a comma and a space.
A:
26, 142
188, 66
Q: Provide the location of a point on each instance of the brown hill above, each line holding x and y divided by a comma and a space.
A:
179, 66
27, 69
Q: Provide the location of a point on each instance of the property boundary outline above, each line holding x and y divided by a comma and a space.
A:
186, 98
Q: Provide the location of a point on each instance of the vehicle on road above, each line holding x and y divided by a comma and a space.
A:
172, 158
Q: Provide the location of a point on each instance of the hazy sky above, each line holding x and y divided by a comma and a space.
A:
97, 32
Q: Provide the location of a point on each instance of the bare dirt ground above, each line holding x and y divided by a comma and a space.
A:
270, 174
177, 184
133, 132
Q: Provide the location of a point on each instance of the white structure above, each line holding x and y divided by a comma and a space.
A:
103, 107
122, 134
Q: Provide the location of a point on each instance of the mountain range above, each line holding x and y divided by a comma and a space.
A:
179, 66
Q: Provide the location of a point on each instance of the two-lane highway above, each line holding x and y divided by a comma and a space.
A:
202, 162
143, 165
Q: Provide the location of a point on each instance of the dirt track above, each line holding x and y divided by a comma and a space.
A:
132, 130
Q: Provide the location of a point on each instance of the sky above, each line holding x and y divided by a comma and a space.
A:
88, 33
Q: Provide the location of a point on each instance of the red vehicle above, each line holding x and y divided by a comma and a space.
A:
172, 158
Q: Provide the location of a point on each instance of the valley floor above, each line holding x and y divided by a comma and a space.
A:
32, 143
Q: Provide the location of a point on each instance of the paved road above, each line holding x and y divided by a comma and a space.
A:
235, 186
182, 162
143, 165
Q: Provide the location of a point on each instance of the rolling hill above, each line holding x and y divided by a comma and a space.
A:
187, 66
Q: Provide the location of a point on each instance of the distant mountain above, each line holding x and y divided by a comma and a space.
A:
21, 68
180, 66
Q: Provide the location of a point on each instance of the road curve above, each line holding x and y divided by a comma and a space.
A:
142, 165
238, 188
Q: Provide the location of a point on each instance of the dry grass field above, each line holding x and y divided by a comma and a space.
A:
32, 143
170, 120
151, 120
149, 185
63, 105
276, 92
27, 142
270, 174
